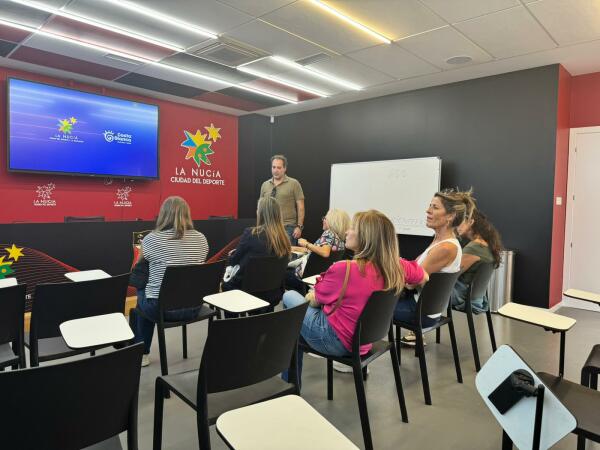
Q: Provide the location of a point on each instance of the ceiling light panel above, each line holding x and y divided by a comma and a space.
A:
305, 19
281, 90
199, 65
394, 20
14, 12
182, 77
283, 80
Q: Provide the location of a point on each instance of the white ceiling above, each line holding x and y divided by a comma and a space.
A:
498, 35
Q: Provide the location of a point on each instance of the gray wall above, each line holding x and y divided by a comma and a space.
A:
496, 134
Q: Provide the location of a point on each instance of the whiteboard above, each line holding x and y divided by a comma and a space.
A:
401, 189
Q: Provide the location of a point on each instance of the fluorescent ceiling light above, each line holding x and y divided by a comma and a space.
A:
97, 24
289, 63
137, 8
351, 21
282, 81
140, 59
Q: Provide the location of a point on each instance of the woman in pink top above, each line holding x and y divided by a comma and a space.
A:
376, 266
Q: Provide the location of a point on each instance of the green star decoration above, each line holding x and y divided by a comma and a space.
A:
202, 152
5, 270
198, 147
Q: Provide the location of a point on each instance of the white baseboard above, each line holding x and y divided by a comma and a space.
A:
574, 303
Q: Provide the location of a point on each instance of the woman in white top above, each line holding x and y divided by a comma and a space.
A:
447, 210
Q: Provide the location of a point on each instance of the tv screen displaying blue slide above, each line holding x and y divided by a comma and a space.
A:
66, 131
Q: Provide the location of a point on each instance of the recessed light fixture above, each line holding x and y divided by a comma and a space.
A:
281, 81
457, 60
152, 13
106, 50
315, 73
351, 21
95, 23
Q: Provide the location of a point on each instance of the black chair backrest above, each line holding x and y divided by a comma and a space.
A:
375, 320
55, 303
12, 309
481, 280
71, 405
186, 286
264, 273
435, 295
241, 352
317, 264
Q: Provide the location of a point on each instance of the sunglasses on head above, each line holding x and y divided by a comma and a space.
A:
274, 192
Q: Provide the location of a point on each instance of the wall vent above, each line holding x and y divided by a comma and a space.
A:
313, 59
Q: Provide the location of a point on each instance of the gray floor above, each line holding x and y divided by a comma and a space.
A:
458, 418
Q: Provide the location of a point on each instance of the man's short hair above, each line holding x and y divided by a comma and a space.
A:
281, 157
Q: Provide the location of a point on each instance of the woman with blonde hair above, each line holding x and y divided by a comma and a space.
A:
330, 321
173, 242
267, 238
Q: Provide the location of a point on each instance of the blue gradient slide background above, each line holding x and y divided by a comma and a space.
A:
35, 110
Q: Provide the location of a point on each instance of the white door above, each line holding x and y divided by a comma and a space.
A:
584, 265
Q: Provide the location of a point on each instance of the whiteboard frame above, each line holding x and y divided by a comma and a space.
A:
439, 184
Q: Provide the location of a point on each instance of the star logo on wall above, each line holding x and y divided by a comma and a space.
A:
213, 133
198, 147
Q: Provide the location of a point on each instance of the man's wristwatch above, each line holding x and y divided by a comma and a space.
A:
300, 226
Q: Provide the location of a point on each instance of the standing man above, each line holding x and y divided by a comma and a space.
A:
288, 193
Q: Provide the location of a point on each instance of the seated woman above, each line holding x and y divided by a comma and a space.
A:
174, 242
484, 247
267, 238
329, 324
335, 224
447, 210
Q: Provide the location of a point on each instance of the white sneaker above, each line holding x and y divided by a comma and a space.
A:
343, 368
145, 360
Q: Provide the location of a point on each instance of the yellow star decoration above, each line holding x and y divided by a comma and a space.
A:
73, 120
2, 261
213, 132
198, 139
14, 252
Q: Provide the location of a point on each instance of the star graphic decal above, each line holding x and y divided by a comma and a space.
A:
65, 126
14, 252
198, 147
73, 120
213, 133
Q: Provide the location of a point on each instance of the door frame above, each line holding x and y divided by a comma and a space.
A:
566, 301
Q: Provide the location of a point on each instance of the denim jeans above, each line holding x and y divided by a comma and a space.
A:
144, 329
407, 309
316, 332
289, 229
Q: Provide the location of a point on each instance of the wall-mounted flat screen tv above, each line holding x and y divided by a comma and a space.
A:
65, 131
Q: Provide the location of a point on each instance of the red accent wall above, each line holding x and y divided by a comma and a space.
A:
585, 100
560, 185
210, 190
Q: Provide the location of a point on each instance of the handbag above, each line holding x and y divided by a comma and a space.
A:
140, 272
313, 302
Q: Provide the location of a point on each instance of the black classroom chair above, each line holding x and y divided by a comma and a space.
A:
478, 290
12, 310
55, 303
434, 299
241, 365
591, 368
316, 264
264, 277
372, 326
183, 287
73, 405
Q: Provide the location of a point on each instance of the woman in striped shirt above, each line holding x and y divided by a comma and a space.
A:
173, 242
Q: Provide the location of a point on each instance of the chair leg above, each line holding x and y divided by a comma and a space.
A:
473, 337
585, 377
362, 406
184, 340
397, 341
159, 394
162, 350
594, 381
329, 379
423, 366
488, 315
398, 380
438, 335
455, 351
580, 442
365, 373
203, 432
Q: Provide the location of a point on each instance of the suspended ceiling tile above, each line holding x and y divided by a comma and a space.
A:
76, 51
125, 19
569, 22
98, 36
257, 7
394, 20
438, 45
6, 47
57, 61
352, 71
54, 3
507, 33
23, 15
457, 10
280, 89
274, 40
13, 34
209, 68
311, 22
156, 84
232, 102
252, 97
394, 61
164, 73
